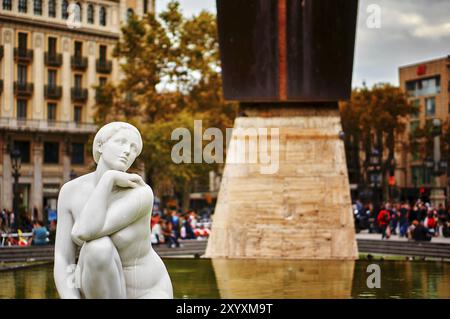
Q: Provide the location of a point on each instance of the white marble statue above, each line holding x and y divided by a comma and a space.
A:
107, 213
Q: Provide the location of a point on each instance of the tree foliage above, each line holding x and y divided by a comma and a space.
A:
374, 119
170, 71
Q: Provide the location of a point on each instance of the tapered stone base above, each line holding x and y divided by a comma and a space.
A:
300, 211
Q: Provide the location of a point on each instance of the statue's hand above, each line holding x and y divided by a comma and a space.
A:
123, 179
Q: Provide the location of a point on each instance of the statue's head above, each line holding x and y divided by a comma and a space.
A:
117, 144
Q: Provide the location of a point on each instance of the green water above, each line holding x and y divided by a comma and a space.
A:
204, 278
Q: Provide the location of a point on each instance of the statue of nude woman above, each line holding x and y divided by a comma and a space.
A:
107, 213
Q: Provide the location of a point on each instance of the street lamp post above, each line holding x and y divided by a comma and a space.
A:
437, 166
16, 160
375, 172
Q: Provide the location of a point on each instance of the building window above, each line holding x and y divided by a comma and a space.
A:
51, 152
23, 41
102, 80
145, 6
102, 16
428, 174
52, 46
7, 4
103, 52
64, 7
78, 48
22, 6
431, 86
90, 14
24, 148
130, 12
78, 11
52, 8
77, 114
428, 86
430, 106
52, 78
77, 154
417, 176
420, 176
78, 79
22, 73
51, 111
21, 109
37, 6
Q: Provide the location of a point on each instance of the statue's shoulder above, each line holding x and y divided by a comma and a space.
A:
76, 185
147, 191
146, 194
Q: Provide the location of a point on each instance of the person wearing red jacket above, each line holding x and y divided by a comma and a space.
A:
383, 220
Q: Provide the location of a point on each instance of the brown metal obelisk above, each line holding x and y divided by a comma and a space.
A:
288, 63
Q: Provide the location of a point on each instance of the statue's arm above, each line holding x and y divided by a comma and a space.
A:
93, 215
98, 219
65, 250
127, 210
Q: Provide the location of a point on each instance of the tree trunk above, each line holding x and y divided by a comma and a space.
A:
186, 192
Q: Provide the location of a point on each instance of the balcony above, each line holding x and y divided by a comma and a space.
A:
14, 124
53, 59
101, 97
79, 94
52, 92
24, 89
79, 62
103, 66
23, 55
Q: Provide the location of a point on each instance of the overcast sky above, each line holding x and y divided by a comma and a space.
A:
410, 31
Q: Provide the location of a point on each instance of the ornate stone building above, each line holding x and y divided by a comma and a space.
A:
52, 55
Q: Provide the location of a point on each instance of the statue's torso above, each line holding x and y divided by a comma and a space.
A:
132, 241
143, 268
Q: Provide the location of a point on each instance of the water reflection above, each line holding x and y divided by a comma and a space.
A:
31, 283
404, 279
266, 278
238, 278
192, 278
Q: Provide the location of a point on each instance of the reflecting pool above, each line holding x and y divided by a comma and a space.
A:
222, 278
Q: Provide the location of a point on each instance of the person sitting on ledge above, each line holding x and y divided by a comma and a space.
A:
421, 233
40, 234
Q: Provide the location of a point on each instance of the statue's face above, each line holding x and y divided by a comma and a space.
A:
120, 151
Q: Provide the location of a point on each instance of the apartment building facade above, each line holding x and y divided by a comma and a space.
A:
52, 55
427, 85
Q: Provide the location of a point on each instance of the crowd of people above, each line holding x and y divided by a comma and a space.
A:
171, 225
167, 227
31, 230
419, 221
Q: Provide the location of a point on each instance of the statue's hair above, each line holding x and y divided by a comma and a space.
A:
107, 131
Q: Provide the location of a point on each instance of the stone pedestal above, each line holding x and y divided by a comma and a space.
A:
303, 209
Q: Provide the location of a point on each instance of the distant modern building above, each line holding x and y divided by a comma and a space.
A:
52, 54
427, 84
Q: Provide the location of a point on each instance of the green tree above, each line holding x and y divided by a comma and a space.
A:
171, 77
374, 119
